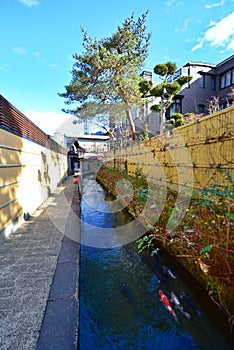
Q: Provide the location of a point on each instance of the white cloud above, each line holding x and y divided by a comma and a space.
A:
20, 50
220, 34
215, 4
49, 122
30, 3
199, 45
231, 45
184, 28
5, 67
55, 66
171, 3
36, 54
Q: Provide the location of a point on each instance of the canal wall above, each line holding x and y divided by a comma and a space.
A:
32, 165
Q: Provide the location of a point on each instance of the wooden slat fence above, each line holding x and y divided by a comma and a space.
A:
197, 155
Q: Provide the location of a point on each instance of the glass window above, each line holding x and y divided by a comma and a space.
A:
228, 78
213, 83
202, 82
222, 81
175, 106
201, 109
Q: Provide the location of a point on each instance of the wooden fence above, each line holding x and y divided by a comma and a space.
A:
197, 155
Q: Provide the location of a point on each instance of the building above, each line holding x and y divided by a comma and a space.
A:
94, 143
73, 127
210, 89
84, 147
144, 118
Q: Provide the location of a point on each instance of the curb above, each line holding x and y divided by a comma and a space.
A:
60, 324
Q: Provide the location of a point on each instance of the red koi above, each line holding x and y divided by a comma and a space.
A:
167, 304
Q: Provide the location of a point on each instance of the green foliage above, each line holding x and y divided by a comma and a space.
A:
230, 216
144, 134
166, 90
165, 70
145, 243
156, 108
177, 119
138, 172
145, 86
206, 250
184, 80
216, 193
171, 88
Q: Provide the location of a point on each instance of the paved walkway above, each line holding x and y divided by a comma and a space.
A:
39, 277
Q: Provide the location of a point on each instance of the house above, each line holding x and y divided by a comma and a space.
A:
210, 89
144, 118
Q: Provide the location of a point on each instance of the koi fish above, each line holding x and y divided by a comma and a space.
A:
152, 261
166, 303
178, 306
188, 302
168, 271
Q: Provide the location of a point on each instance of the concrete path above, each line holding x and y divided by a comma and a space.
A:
39, 268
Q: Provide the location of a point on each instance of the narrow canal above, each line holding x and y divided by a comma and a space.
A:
120, 306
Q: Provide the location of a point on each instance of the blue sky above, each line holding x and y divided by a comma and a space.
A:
39, 37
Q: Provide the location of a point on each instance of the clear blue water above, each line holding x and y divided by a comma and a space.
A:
119, 301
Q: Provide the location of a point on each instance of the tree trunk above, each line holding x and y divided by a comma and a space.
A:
131, 123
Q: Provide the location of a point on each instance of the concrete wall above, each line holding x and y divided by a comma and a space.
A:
31, 167
29, 172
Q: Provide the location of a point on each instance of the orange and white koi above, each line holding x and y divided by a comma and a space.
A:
166, 303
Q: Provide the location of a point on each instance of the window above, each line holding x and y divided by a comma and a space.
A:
227, 79
201, 109
202, 82
175, 106
213, 83
222, 81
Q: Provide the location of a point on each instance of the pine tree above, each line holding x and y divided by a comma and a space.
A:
165, 90
108, 71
